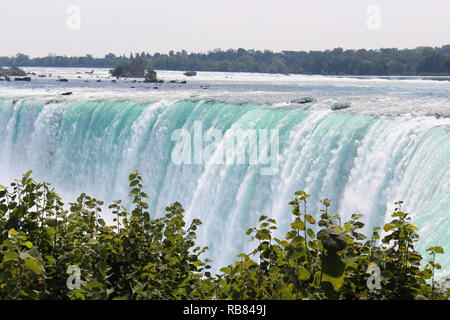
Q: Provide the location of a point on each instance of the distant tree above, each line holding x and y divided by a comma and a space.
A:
385, 61
431, 63
21, 60
447, 65
137, 68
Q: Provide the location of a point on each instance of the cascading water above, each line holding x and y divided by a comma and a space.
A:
362, 163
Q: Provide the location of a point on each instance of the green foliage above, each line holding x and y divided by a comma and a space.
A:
136, 68
12, 72
144, 257
140, 258
385, 61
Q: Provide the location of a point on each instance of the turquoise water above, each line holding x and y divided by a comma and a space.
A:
361, 162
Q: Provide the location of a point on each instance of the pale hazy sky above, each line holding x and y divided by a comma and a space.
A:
39, 27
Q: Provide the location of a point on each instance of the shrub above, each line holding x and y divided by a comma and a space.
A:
43, 242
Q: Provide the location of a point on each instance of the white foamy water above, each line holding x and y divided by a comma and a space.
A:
391, 143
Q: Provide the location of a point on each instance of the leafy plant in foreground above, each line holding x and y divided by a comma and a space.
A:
144, 257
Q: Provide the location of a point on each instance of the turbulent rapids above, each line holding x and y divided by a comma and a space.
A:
363, 163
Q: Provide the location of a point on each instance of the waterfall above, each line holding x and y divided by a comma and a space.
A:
362, 163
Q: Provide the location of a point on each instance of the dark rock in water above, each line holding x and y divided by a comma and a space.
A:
190, 73
63, 80
303, 100
16, 72
52, 101
66, 93
173, 81
152, 79
184, 81
22, 79
114, 81
340, 106
99, 80
155, 87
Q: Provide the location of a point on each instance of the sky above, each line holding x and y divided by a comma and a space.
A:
98, 27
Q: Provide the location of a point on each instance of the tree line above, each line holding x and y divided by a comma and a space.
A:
386, 61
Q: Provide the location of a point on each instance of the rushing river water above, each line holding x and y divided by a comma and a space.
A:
390, 142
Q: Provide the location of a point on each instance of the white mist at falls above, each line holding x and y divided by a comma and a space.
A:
362, 162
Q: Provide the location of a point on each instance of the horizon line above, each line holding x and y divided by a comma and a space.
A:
51, 54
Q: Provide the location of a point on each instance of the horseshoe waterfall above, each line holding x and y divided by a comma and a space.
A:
362, 162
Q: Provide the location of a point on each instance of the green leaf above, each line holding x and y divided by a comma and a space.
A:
248, 263
50, 231
134, 183
336, 282
225, 270
291, 234
333, 270
298, 224
11, 256
33, 294
13, 232
50, 259
33, 265
132, 176
94, 284
399, 214
310, 233
351, 263
358, 225
303, 274
28, 244
263, 234
310, 219
436, 249
197, 263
